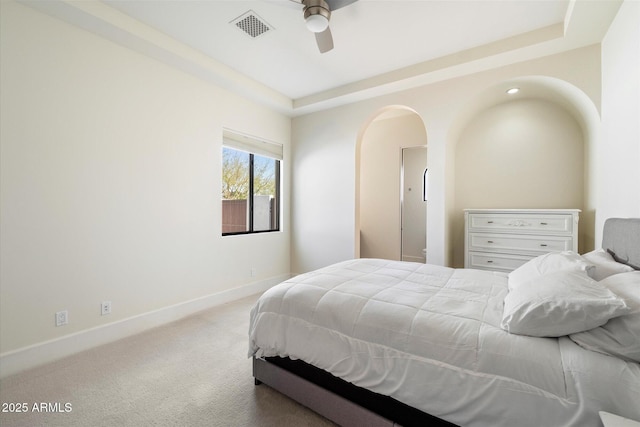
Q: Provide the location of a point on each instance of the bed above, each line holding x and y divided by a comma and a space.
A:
378, 342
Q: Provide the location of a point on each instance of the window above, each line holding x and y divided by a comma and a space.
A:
250, 185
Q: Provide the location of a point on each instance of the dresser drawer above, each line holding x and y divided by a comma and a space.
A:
496, 262
535, 245
521, 223
504, 239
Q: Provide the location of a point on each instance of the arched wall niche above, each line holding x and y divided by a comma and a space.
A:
540, 96
387, 118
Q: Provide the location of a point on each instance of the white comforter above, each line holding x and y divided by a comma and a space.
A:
430, 337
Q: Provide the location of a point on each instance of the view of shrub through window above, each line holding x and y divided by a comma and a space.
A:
250, 196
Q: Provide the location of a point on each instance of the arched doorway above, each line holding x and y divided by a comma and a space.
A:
391, 158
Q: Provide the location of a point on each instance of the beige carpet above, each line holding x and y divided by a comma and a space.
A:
194, 372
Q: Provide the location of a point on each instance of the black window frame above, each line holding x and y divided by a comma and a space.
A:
250, 198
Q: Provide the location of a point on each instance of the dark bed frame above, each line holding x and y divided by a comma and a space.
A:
337, 399
349, 405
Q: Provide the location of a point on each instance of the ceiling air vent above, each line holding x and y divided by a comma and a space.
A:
252, 24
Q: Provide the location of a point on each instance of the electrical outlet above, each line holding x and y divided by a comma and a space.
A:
105, 308
62, 318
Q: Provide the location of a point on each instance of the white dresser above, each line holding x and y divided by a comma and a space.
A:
504, 239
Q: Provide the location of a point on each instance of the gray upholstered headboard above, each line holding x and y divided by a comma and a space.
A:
621, 238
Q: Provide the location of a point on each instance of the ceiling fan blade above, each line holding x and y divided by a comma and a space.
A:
337, 4
289, 4
324, 40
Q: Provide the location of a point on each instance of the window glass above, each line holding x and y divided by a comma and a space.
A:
265, 184
235, 190
250, 192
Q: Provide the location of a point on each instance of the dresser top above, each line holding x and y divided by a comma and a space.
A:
550, 211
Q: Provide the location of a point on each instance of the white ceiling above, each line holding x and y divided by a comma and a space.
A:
380, 46
370, 37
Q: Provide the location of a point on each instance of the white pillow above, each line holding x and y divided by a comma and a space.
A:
559, 303
547, 263
604, 264
619, 337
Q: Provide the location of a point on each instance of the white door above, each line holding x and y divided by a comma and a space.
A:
413, 204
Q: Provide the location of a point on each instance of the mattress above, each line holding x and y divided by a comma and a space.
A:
430, 337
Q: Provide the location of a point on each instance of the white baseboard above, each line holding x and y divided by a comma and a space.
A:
19, 360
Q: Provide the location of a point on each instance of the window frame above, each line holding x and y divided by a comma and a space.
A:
250, 145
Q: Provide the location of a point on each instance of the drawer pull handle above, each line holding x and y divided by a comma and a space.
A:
489, 222
489, 241
544, 245
489, 262
543, 223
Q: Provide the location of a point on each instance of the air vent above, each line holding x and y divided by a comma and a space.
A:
252, 24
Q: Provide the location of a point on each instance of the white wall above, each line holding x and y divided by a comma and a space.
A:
111, 183
619, 153
325, 148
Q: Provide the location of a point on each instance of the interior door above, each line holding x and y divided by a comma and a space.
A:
413, 204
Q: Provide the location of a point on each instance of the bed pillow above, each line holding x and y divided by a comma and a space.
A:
619, 337
559, 303
604, 264
547, 263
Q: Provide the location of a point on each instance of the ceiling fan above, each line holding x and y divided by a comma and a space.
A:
317, 14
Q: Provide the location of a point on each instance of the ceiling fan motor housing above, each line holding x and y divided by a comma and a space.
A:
314, 9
